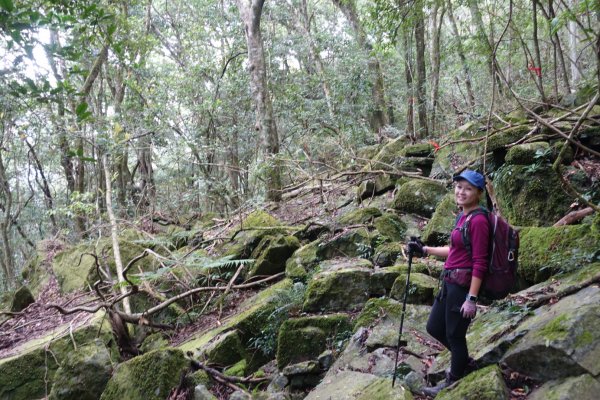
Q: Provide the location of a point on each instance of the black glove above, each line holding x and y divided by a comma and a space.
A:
415, 247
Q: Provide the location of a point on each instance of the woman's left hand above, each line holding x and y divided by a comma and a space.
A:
468, 309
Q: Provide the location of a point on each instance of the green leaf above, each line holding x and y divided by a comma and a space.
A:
7, 5
81, 109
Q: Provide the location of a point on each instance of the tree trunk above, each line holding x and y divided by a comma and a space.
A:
115, 234
408, 72
483, 37
538, 57
379, 116
8, 268
461, 54
250, 12
558, 46
421, 74
147, 186
437, 18
573, 33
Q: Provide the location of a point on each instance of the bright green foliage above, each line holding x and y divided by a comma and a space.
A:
302, 339
147, 377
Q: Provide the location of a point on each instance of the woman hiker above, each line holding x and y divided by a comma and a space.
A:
456, 303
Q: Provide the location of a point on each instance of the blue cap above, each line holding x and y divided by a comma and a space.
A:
474, 178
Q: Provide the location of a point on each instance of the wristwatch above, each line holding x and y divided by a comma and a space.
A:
472, 298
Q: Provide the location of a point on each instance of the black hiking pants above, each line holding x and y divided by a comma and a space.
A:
448, 326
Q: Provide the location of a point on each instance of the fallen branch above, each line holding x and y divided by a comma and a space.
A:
574, 216
233, 379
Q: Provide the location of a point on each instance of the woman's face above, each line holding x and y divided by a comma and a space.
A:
465, 194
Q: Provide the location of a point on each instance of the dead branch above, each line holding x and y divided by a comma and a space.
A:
540, 301
574, 216
233, 379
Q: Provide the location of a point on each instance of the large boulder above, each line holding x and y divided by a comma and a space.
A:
527, 154
561, 340
390, 227
530, 196
75, 268
386, 254
272, 253
30, 372
83, 374
303, 261
360, 216
583, 387
420, 197
341, 285
485, 384
375, 186
249, 232
388, 153
354, 385
303, 339
437, 231
571, 247
350, 243
421, 288
225, 349
151, 376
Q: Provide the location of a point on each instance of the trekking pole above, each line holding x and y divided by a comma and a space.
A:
400, 341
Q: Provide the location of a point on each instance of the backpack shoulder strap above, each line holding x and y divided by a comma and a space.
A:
465, 228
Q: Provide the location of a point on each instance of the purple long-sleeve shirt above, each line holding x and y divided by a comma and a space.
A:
458, 257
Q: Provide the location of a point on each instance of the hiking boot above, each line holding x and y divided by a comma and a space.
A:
434, 390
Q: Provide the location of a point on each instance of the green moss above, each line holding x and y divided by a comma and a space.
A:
420, 291
249, 232
390, 226
147, 377
548, 251
302, 339
360, 216
437, 231
374, 310
525, 154
272, 253
419, 197
154, 342
388, 153
302, 261
352, 243
23, 377
238, 369
387, 253
584, 339
417, 150
338, 290
226, 349
484, 384
557, 329
381, 389
529, 197
511, 135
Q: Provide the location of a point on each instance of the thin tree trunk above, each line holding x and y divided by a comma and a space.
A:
45, 187
421, 74
8, 267
573, 40
250, 12
461, 55
436, 29
408, 73
538, 57
483, 36
115, 234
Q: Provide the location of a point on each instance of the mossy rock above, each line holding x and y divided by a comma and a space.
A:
30, 373
246, 235
414, 164
525, 154
419, 197
420, 291
272, 253
583, 387
485, 384
238, 369
75, 268
530, 197
390, 227
338, 289
150, 376
354, 385
84, 373
303, 261
351, 243
453, 155
386, 156
303, 339
502, 139
154, 341
375, 187
546, 251
225, 349
387, 253
360, 216
21, 299
417, 150
437, 231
